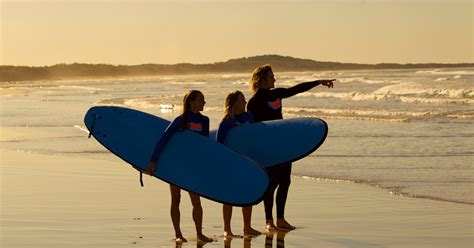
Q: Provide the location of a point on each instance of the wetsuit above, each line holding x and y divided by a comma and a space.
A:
229, 122
193, 121
265, 105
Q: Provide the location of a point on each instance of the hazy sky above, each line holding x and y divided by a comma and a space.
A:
166, 32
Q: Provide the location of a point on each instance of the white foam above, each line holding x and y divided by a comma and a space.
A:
462, 116
429, 71
167, 106
76, 87
232, 75
353, 96
288, 80
328, 74
363, 80
187, 83
214, 109
405, 89
361, 114
351, 118
82, 128
442, 72
241, 82
51, 89
141, 103
405, 99
162, 102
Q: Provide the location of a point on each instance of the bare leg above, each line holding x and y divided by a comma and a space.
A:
227, 213
175, 213
247, 214
268, 200
197, 217
281, 196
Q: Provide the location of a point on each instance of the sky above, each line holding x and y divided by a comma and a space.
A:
40, 33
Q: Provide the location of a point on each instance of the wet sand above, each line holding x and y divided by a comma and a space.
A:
55, 201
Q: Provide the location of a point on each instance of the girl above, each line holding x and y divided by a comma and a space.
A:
266, 104
235, 114
191, 119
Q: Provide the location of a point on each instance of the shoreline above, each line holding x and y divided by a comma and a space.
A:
60, 201
389, 190
151, 76
376, 186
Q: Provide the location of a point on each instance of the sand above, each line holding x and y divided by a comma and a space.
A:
55, 201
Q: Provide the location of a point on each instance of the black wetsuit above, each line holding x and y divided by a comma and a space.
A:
265, 105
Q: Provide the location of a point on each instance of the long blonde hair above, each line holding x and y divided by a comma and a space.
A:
230, 102
259, 74
190, 96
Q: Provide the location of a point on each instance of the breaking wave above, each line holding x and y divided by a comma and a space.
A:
443, 72
404, 92
374, 115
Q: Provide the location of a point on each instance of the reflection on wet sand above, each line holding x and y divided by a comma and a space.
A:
269, 237
280, 239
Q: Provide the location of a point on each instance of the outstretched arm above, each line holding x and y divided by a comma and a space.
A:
302, 87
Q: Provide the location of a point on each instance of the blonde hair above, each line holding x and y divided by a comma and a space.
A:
230, 102
190, 96
259, 74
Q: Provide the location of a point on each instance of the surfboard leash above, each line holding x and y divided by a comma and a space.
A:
96, 116
141, 179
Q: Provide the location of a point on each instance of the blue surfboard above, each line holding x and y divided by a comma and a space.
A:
190, 161
274, 142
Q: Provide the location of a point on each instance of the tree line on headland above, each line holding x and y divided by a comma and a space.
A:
241, 65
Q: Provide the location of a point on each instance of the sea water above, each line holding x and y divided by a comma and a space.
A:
408, 131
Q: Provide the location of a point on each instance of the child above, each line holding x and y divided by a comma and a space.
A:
191, 119
235, 115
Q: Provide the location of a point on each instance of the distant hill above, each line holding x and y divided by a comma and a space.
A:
241, 65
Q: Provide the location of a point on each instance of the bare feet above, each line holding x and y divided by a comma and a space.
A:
251, 232
180, 239
204, 238
284, 225
270, 226
230, 235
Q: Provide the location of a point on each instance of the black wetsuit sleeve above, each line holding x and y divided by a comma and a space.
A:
205, 123
223, 129
172, 128
299, 88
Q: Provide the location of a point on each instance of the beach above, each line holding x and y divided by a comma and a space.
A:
51, 201
392, 82
394, 171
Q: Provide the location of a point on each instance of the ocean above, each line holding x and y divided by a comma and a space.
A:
408, 131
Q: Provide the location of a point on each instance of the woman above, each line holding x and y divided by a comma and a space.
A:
191, 119
266, 104
235, 115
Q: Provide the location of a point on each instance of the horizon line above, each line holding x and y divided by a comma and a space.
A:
255, 56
